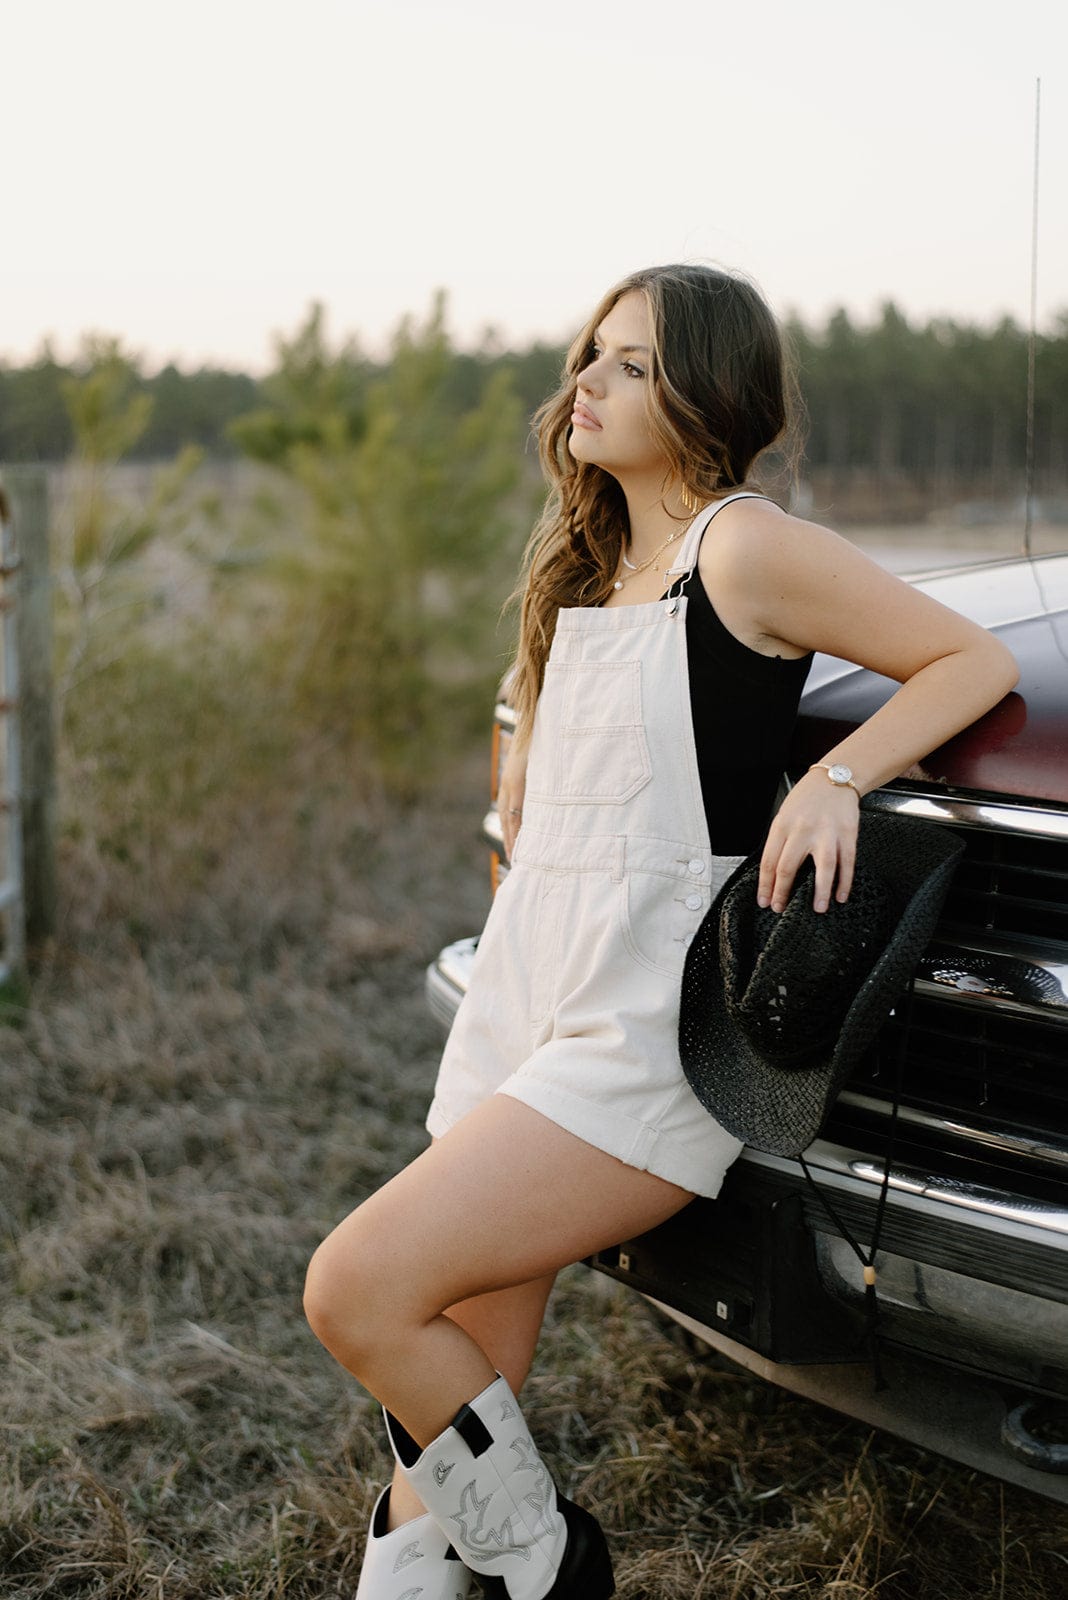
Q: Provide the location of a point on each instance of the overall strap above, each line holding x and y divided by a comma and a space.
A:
687, 557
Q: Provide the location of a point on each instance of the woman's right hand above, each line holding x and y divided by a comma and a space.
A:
510, 793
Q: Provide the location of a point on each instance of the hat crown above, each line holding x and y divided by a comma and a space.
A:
790, 977
766, 1055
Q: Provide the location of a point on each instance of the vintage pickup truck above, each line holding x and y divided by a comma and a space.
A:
973, 1263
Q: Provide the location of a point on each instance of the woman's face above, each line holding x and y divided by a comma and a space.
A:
609, 423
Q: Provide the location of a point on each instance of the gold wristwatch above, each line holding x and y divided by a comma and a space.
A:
840, 775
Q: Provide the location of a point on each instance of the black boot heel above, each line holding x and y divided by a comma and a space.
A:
586, 1570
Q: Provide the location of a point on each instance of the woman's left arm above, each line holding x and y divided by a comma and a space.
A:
821, 593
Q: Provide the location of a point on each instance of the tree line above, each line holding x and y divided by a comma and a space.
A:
945, 403
942, 403
357, 586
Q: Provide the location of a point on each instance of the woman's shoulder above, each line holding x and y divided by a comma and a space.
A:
751, 540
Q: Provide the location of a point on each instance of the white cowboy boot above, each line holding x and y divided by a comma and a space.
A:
489, 1491
414, 1562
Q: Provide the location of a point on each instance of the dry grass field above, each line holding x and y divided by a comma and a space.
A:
218, 1060
225, 1048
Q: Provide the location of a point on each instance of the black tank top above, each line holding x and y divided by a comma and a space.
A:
744, 706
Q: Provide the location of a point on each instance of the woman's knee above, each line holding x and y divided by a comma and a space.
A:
346, 1298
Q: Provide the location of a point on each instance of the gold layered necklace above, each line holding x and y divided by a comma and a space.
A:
633, 568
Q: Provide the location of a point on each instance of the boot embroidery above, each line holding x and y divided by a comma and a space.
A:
482, 1545
541, 1497
409, 1553
442, 1470
543, 1520
411, 1594
507, 1410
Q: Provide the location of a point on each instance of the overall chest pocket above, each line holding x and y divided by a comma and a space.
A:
589, 745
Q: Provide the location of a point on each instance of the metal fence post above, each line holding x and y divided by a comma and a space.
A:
28, 488
12, 913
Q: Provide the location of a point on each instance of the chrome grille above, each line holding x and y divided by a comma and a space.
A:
993, 1050
975, 1064
1010, 884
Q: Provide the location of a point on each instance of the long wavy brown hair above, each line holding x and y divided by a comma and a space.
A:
719, 393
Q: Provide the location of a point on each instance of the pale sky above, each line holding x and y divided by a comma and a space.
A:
190, 177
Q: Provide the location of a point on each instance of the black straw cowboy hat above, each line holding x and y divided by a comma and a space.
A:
778, 1007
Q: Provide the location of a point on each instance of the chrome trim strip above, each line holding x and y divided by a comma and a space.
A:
841, 1168
1017, 977
1036, 821
970, 1196
1002, 1140
980, 999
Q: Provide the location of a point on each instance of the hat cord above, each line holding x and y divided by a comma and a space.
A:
867, 1261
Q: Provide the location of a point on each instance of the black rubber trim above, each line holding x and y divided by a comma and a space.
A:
472, 1430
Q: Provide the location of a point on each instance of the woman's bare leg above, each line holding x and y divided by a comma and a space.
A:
505, 1325
504, 1199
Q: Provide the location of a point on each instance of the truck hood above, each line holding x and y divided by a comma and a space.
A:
1019, 748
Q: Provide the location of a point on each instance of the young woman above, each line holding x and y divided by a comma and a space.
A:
669, 616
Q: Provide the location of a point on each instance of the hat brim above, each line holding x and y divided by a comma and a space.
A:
778, 1109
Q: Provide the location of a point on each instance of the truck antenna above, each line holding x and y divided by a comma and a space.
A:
1029, 471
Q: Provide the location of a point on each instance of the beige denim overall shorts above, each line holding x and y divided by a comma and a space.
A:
573, 1002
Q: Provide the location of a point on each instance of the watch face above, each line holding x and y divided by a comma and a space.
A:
839, 773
